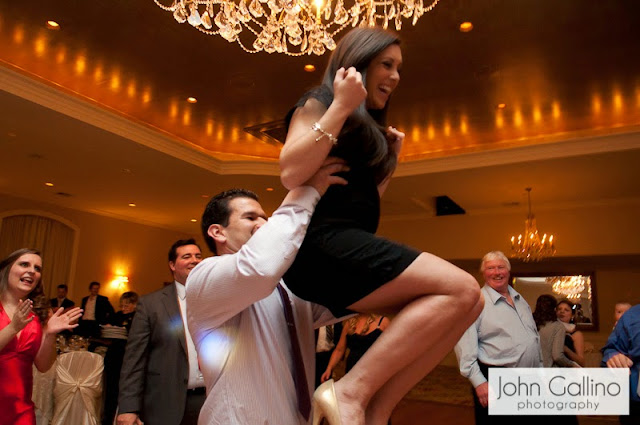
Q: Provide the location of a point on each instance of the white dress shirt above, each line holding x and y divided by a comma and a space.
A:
90, 309
237, 321
501, 336
195, 376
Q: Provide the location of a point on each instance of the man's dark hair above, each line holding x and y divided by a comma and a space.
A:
173, 251
218, 212
93, 284
63, 286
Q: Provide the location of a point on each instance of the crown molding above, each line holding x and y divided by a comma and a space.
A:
75, 106
51, 96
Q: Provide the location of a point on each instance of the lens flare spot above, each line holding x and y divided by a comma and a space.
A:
214, 349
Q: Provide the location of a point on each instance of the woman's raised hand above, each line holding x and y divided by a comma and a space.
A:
21, 317
395, 138
59, 321
348, 89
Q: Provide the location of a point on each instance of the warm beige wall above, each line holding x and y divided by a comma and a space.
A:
604, 239
583, 231
106, 244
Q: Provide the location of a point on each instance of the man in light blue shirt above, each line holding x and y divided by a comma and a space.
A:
504, 335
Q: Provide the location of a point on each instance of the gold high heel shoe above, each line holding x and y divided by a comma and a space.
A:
325, 405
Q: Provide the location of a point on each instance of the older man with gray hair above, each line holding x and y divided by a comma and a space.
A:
504, 335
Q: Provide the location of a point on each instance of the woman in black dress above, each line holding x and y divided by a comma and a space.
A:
342, 264
358, 335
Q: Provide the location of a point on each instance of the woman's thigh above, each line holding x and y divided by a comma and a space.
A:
427, 275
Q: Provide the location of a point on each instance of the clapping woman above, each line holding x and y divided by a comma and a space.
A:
27, 333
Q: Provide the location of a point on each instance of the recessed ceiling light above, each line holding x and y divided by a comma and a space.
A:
49, 184
131, 204
204, 196
192, 99
193, 220
466, 26
502, 105
53, 25
269, 189
309, 68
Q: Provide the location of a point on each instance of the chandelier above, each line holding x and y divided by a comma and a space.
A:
571, 287
530, 247
292, 27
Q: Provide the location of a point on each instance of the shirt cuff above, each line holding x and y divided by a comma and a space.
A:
304, 196
477, 379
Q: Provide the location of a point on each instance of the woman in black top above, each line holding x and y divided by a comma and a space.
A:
341, 263
358, 335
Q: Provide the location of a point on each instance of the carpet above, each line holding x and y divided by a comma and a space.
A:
443, 385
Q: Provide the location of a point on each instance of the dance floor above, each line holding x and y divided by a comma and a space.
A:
444, 398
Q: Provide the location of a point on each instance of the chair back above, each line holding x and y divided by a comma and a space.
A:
78, 390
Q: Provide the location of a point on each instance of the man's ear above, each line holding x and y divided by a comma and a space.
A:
216, 231
172, 266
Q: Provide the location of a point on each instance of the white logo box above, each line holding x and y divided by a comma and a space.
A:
558, 391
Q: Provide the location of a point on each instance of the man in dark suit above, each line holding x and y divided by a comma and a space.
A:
61, 300
160, 382
97, 310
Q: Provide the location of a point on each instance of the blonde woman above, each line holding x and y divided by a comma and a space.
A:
358, 334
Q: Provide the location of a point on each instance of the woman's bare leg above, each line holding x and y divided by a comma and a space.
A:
383, 403
437, 301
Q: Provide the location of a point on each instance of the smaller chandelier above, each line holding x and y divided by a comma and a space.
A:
530, 247
292, 27
571, 287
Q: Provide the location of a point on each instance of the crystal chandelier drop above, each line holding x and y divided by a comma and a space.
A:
571, 287
292, 27
530, 247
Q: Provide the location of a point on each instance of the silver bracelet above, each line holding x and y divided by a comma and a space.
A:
316, 127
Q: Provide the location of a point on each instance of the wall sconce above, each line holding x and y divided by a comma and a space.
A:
119, 283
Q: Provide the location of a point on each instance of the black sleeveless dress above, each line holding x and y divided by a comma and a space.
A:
341, 260
358, 345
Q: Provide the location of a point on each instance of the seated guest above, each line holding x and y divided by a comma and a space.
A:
61, 300
123, 318
97, 310
574, 341
115, 354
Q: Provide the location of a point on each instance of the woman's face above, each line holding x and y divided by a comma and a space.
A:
564, 313
128, 307
24, 274
383, 76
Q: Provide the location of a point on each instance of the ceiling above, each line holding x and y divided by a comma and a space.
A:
99, 108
